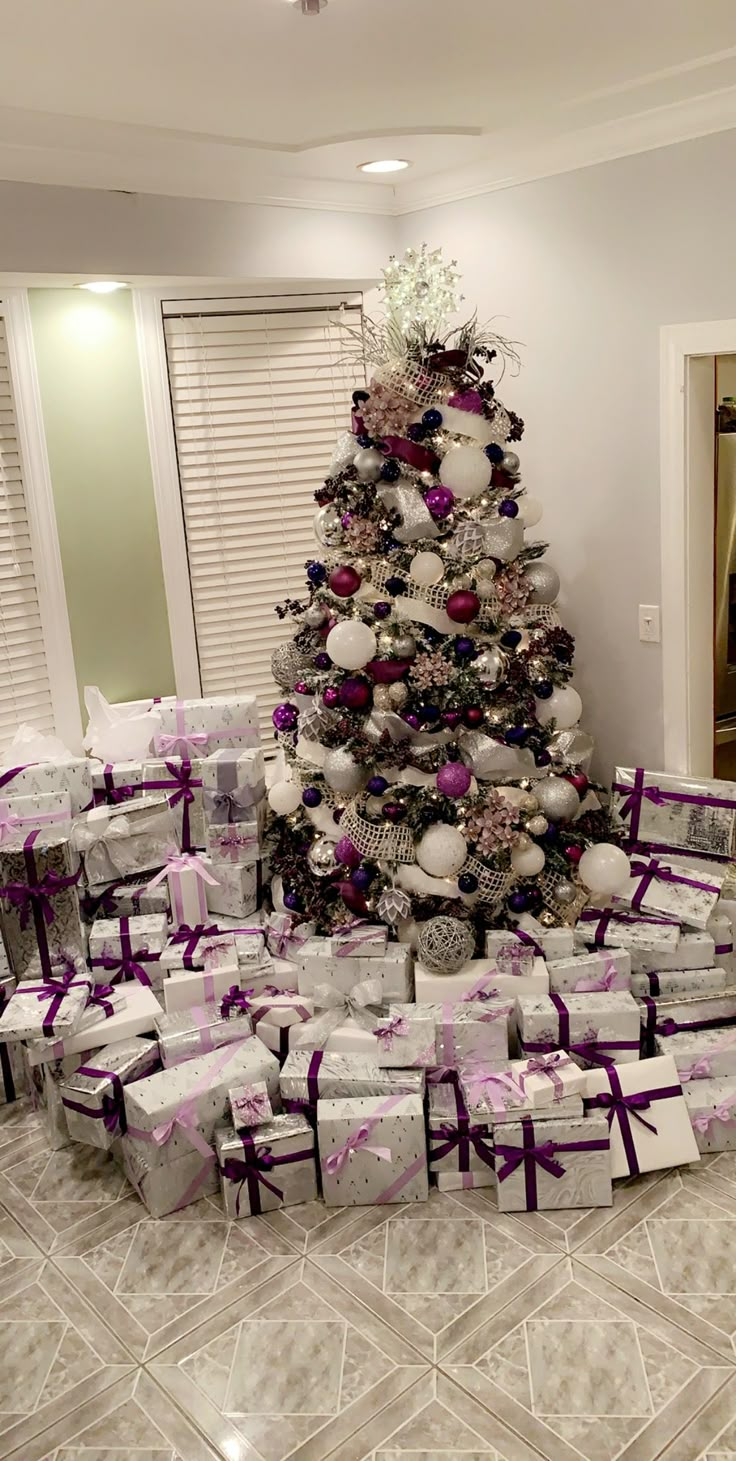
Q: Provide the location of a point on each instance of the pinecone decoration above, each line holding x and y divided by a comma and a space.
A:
393, 905
315, 723
467, 541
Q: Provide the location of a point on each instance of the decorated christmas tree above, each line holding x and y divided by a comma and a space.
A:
435, 774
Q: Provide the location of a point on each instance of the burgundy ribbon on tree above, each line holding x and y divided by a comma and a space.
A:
181, 777
416, 456
257, 1162
126, 965
192, 937
461, 1137
616, 1105
638, 793
35, 897
655, 871
544, 1156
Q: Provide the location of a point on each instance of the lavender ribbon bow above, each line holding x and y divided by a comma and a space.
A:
357, 1141
608, 980
8, 820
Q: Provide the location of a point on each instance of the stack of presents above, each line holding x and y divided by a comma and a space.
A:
153, 1008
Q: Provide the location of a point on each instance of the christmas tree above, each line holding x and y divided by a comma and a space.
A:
435, 772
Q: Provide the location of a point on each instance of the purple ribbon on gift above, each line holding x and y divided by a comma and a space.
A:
544, 1156
228, 803
461, 1137
602, 917
639, 793
360, 1140
655, 871
480, 1083
112, 1110
354, 944
99, 905
393, 1029
6, 1068
548, 1065
308, 1107
188, 743
529, 942
113, 793
610, 979
283, 936
233, 843
235, 999
35, 898
55, 988
100, 997
589, 1049
511, 959
181, 778
129, 963
257, 1162
669, 1026
192, 937
622, 1108
482, 989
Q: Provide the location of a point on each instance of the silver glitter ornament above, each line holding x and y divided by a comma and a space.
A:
393, 905
543, 581
574, 746
369, 463
381, 697
342, 772
405, 645
445, 944
510, 463
315, 723
503, 538
288, 664
416, 519
537, 825
327, 526
490, 665
321, 857
316, 615
398, 694
557, 798
343, 454
564, 892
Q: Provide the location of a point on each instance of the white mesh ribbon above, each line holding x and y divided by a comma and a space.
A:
568, 913
436, 596
382, 843
492, 884
361, 1005
414, 383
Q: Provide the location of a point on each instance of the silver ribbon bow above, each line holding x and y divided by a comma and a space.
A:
361, 1005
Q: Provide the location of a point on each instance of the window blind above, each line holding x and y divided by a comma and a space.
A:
25, 692
259, 397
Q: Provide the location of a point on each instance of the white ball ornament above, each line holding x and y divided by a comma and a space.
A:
351, 644
441, 851
466, 470
527, 861
343, 773
284, 797
604, 869
564, 706
427, 568
530, 511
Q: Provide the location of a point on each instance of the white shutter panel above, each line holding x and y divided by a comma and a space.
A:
259, 398
25, 692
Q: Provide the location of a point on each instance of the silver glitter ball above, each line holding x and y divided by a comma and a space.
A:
316, 615
321, 857
405, 645
564, 892
537, 825
343, 454
490, 665
445, 944
381, 697
327, 526
287, 664
557, 798
369, 463
504, 538
544, 581
407, 502
510, 463
342, 772
398, 694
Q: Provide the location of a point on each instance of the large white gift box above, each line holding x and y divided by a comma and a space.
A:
695, 950
678, 981
590, 973
472, 1030
593, 1028
309, 1076
479, 979
237, 890
676, 811
544, 943
615, 928
711, 1107
317, 965
185, 989
129, 948
179, 779
700, 1054
40, 778
544, 1163
663, 887
29, 813
359, 939
647, 1115
372, 1149
137, 1017
200, 727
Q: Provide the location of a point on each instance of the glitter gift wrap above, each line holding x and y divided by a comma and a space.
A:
41, 777
498, 1091
250, 1105
720, 930
711, 1106
672, 890
125, 900
591, 973
169, 1187
116, 781
276, 1017
700, 1054
137, 1017
674, 1014
198, 1031
180, 781
596, 1029
393, 970
645, 1110
129, 948
311, 1075
175, 1110
92, 1096
200, 727
273, 1166
233, 786
192, 946
544, 943
237, 890
548, 1079
358, 939
695, 950
119, 841
678, 981
557, 1163
287, 938
610, 928
676, 811
471, 1029
479, 978
460, 1149
372, 1149
52, 810
250, 948
39, 903
277, 974
47, 1006
183, 989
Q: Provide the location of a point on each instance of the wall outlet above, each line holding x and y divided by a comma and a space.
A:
649, 626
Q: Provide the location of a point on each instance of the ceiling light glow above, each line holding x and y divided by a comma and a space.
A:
387, 164
103, 286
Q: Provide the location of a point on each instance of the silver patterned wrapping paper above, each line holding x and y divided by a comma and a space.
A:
31, 1014
72, 776
47, 1085
695, 949
711, 1106
175, 1184
308, 1075
116, 781
180, 781
405, 1036
129, 947
460, 1148
225, 720
394, 969
676, 811
98, 1122
678, 981
546, 943
609, 970
598, 1023
472, 1030
128, 899
188, 1033
611, 928
553, 1174
668, 888
679, 1013
272, 1166
372, 1149
120, 841
49, 916
237, 893
700, 1054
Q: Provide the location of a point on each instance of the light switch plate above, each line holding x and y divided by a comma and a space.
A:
649, 626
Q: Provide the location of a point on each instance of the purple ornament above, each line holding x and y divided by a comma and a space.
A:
347, 853
377, 785
394, 811
453, 779
322, 661
387, 671
542, 758
301, 688
508, 508
451, 718
440, 501
285, 717
355, 693
346, 519
331, 696
311, 796
467, 401
344, 581
292, 901
361, 878
411, 719
464, 646
462, 606
518, 901
381, 610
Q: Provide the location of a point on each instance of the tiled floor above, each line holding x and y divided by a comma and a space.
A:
438, 1332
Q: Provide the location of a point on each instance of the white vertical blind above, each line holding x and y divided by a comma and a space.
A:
259, 396
25, 692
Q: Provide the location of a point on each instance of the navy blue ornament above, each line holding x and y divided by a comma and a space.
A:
429, 712
552, 835
417, 431
311, 796
518, 901
467, 882
431, 636
543, 689
465, 647
508, 508
293, 902
511, 638
316, 573
516, 735
432, 419
562, 652
494, 452
364, 440
396, 585
542, 758
390, 471
377, 785
361, 878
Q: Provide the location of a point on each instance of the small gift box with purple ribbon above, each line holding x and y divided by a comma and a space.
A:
686, 1014
126, 839
546, 1080
393, 970
309, 1076
471, 1029
372, 1149
711, 1106
40, 875
358, 939
700, 1054
92, 1096
676, 811
188, 876
277, 1017
591, 973
668, 982
233, 785
180, 780
200, 727
136, 1015
554, 1163
191, 946
129, 948
41, 778
201, 1029
250, 1105
47, 1005
184, 989
116, 781
596, 1029
672, 890
273, 1166
543, 943
609, 928
646, 1113
519, 972
406, 1035
50, 810
239, 844
460, 1149
237, 890
286, 937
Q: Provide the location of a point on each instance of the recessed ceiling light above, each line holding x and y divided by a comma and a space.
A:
388, 164
103, 286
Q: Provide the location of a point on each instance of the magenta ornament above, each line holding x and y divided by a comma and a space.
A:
467, 401
411, 719
344, 581
285, 716
301, 688
355, 693
347, 853
387, 671
453, 779
331, 696
463, 606
353, 898
451, 718
440, 501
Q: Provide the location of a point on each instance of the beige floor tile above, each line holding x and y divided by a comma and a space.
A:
57, 1196
435, 1421
711, 1435
568, 1228
292, 1370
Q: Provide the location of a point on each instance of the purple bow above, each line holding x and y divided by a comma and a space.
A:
236, 999
27, 896
101, 994
514, 1156
252, 1170
391, 1030
513, 959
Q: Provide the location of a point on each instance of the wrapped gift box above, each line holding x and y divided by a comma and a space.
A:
92, 1096
198, 1031
557, 1163
39, 904
13, 1073
250, 1105
129, 948
116, 781
187, 876
278, 974
594, 973
471, 1030
137, 1017
168, 1188
720, 930
200, 727
479, 979
676, 811
126, 900
52, 1006
547, 1080
695, 950
358, 940
611, 928
644, 1107
543, 943
678, 981
311, 1075
185, 989
393, 970
460, 1149
250, 947
48, 1083
233, 784
180, 781
277, 1018
505, 1090
193, 946
177, 1109
700, 1054
671, 889
593, 1028
43, 777
239, 844
119, 841
676, 1014
711, 1106
51, 810
286, 938
274, 1166
237, 890
372, 1149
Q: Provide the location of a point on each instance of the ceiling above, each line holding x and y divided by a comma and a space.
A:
248, 100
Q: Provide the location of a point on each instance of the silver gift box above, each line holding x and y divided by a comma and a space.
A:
571, 1166
25, 1014
394, 970
695, 950
120, 841
460, 1148
169, 1186
92, 1104
272, 1166
566, 975
472, 1029
146, 934
24, 924
711, 1106
167, 777
678, 981
676, 811
390, 1166
607, 1024
700, 1054
308, 1072
237, 892
188, 1033
48, 1081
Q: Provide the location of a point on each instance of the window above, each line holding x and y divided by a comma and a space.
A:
260, 391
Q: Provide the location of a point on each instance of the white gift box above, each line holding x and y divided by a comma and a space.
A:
647, 1115
482, 978
47, 1087
278, 974
239, 844
372, 1149
271, 1167
615, 928
237, 891
27, 813
200, 727
700, 1054
683, 1013
235, 770
546, 1080
471, 1030
402, 1037
116, 781
359, 940
590, 973
311, 1075
659, 886
199, 947
279, 1018
592, 1028
126, 900
58, 1010
185, 989
459, 1157
678, 981
676, 811
711, 1107
43, 777
129, 948
720, 930
695, 950
285, 937
544, 943
136, 1017
393, 969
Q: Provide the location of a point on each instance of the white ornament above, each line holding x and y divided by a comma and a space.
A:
564, 706
604, 869
285, 797
441, 851
530, 511
342, 772
466, 470
427, 568
527, 861
351, 644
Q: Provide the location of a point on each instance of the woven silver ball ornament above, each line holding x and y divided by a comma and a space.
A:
342, 772
321, 857
445, 944
557, 798
287, 664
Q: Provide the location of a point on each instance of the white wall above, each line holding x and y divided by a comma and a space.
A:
584, 269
